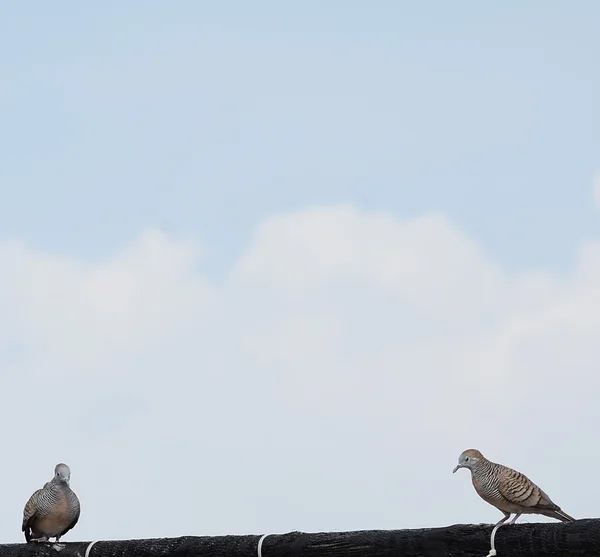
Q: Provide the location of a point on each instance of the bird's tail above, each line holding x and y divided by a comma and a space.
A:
561, 515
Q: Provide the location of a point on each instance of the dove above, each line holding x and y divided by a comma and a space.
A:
52, 510
508, 490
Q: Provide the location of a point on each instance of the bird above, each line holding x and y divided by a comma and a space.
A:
52, 510
508, 490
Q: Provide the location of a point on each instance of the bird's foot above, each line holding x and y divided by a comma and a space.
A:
43, 539
492, 553
58, 546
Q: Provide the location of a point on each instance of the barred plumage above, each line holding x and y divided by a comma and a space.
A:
52, 510
507, 490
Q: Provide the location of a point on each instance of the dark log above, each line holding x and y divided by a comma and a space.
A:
580, 538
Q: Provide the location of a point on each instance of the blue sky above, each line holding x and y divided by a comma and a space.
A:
298, 257
207, 118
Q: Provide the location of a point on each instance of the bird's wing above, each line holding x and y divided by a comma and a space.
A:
72, 525
520, 490
30, 510
74, 501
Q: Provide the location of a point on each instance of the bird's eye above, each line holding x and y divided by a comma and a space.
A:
466, 458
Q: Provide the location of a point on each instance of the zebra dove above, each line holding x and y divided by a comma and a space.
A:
53, 510
507, 490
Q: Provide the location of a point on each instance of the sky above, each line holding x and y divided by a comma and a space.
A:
273, 266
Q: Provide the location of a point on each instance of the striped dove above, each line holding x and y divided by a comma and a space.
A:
507, 490
52, 510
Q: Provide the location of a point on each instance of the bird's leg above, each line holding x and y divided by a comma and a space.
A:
58, 546
515, 518
492, 552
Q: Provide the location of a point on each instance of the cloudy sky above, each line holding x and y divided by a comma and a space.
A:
272, 266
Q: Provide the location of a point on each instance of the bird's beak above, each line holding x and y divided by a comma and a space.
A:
457, 467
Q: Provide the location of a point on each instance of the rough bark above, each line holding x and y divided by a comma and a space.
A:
580, 538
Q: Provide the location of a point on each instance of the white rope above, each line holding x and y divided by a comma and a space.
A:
492, 552
260, 542
89, 548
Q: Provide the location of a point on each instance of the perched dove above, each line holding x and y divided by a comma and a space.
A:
53, 510
508, 490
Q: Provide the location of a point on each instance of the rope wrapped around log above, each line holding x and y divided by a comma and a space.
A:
580, 538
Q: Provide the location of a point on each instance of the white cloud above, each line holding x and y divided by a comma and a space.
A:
328, 382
